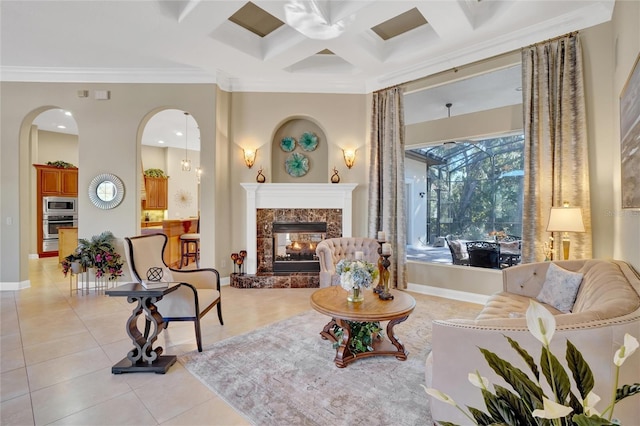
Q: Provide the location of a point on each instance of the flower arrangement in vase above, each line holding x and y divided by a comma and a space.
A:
355, 275
530, 405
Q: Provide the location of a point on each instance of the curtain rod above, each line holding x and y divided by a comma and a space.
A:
456, 69
448, 70
571, 34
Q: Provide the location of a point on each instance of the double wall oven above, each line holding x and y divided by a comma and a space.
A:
57, 212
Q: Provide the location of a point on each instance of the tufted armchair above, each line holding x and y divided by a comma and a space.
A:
332, 250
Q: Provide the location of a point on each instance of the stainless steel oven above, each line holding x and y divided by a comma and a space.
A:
50, 226
59, 206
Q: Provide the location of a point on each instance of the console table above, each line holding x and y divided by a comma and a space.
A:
332, 301
143, 357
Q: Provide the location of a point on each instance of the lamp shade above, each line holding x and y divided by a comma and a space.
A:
565, 219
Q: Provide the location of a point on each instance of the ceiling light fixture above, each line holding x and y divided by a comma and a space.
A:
186, 163
312, 19
448, 105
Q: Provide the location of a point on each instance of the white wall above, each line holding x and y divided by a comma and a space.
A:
110, 131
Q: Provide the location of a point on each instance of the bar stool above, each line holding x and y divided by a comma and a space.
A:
190, 247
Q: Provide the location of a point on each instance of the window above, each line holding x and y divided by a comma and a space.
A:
467, 189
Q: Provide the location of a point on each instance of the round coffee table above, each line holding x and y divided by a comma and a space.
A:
332, 301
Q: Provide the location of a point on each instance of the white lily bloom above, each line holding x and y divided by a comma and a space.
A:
440, 396
552, 410
540, 322
589, 404
478, 381
626, 350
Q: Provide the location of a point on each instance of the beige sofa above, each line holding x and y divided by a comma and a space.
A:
332, 250
606, 307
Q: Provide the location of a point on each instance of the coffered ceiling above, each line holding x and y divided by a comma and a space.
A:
323, 46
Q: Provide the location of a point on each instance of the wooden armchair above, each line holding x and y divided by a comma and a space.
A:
198, 294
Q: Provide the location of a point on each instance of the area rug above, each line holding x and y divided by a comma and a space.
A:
284, 374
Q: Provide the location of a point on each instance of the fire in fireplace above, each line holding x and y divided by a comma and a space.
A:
294, 246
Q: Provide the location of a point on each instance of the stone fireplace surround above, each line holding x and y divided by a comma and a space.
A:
306, 202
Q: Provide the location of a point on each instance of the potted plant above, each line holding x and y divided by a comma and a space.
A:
98, 253
363, 335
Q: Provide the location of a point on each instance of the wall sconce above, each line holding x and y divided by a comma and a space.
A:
349, 157
198, 173
249, 157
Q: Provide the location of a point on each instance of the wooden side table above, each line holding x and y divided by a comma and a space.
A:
332, 301
143, 358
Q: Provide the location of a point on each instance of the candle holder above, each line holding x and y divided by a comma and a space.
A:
379, 288
384, 277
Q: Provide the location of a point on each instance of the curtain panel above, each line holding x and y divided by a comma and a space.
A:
386, 179
556, 151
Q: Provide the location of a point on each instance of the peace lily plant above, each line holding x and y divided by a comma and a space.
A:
529, 405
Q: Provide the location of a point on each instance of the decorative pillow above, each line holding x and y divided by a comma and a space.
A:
560, 288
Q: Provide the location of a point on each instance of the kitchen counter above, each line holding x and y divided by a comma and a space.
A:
172, 228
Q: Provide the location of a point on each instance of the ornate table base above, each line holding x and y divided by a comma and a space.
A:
143, 358
381, 346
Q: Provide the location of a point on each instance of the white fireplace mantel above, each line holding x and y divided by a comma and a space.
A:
294, 196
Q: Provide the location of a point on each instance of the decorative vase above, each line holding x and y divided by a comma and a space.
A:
335, 178
260, 178
355, 295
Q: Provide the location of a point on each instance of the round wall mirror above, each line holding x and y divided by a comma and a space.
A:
106, 191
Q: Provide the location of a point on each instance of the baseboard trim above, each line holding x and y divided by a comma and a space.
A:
225, 281
463, 296
14, 286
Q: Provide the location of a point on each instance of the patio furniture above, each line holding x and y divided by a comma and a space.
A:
459, 255
484, 254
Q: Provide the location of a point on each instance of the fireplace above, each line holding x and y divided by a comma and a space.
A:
294, 246
267, 203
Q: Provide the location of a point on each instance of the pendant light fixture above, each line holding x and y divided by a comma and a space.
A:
186, 163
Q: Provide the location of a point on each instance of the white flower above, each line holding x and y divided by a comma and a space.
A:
589, 404
552, 410
626, 350
540, 322
478, 381
440, 396
346, 280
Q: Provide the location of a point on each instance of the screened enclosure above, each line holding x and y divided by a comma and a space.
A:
468, 189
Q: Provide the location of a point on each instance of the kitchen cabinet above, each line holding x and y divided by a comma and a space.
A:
157, 193
51, 180
57, 181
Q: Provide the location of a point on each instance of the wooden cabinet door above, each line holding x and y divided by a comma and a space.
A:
156, 193
163, 189
50, 182
69, 182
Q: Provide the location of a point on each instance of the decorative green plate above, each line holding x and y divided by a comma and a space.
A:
308, 141
297, 164
287, 144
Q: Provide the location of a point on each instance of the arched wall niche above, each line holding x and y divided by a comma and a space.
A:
295, 127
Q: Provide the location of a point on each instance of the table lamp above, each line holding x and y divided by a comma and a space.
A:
565, 219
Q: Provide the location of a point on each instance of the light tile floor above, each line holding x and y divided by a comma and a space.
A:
57, 349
